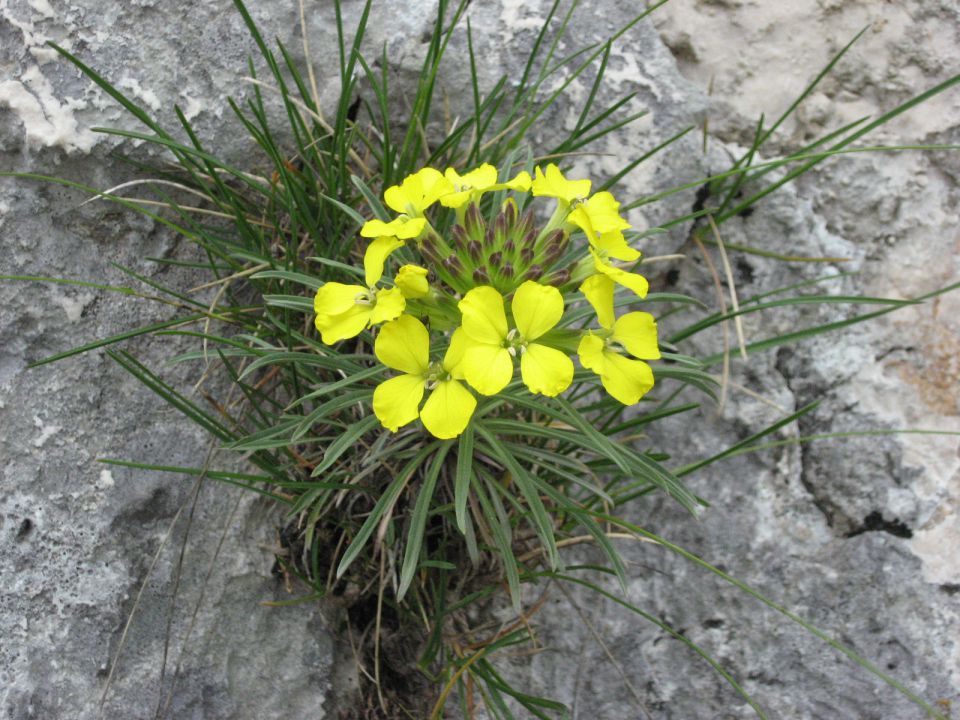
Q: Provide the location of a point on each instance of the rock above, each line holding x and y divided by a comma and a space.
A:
857, 536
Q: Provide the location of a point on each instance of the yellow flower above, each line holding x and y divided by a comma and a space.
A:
626, 379
554, 184
404, 344
599, 218
412, 281
633, 281
476, 182
417, 192
344, 311
403, 227
488, 362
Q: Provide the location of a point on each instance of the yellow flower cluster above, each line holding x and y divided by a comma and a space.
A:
496, 291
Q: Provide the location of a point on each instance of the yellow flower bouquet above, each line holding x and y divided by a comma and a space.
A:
486, 264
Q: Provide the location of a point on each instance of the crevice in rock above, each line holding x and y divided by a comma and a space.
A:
25, 527
875, 522
821, 502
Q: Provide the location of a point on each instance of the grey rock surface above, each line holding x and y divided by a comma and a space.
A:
857, 536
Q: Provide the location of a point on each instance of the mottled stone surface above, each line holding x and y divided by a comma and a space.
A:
857, 536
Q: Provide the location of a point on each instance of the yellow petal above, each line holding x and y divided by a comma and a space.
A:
615, 245
404, 344
412, 281
395, 401
456, 199
598, 289
590, 352
579, 217
536, 309
545, 370
488, 368
402, 227
387, 306
554, 184
630, 280
448, 410
521, 182
625, 379
637, 332
453, 359
334, 328
335, 298
376, 256
484, 319
417, 192
604, 212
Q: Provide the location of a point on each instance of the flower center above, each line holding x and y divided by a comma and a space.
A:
435, 374
515, 343
365, 298
613, 345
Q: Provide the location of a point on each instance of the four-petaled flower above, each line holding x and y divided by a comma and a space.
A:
404, 344
597, 215
344, 311
417, 192
488, 361
471, 185
554, 184
624, 378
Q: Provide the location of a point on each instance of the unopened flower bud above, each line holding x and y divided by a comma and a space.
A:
459, 236
474, 250
473, 221
525, 225
534, 272
428, 248
495, 259
500, 227
412, 281
509, 247
526, 254
489, 239
555, 246
481, 277
453, 264
529, 238
509, 211
507, 270
557, 278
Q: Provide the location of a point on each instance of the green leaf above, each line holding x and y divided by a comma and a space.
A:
462, 480
385, 502
418, 523
295, 277
541, 518
343, 443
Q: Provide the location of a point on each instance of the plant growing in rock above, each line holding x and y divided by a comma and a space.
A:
442, 353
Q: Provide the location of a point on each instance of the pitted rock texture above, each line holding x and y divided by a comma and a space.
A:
857, 536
